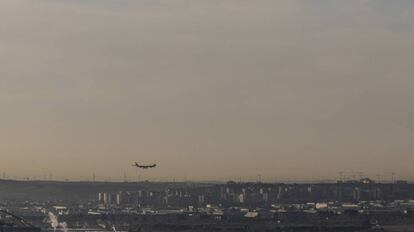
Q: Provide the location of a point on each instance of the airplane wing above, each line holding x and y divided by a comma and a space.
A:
144, 166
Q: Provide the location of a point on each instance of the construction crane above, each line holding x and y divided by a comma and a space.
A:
379, 178
392, 176
343, 176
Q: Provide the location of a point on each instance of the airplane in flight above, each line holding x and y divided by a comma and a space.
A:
144, 166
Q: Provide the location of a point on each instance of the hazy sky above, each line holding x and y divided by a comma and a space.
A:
208, 89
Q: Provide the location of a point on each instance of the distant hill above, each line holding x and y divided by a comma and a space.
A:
55, 190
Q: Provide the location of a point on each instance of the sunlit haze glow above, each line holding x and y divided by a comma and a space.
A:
207, 89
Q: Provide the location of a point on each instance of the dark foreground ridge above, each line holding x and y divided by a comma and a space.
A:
350, 191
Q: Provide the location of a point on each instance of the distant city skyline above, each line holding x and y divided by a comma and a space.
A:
208, 90
143, 177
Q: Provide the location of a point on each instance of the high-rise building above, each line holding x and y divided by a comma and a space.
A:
100, 197
119, 198
107, 199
